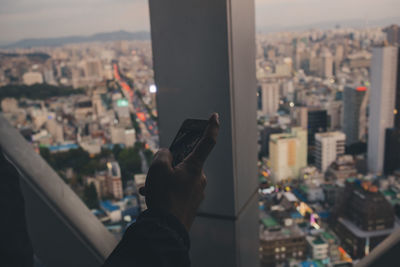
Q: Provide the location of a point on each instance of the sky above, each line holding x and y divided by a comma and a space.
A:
20, 19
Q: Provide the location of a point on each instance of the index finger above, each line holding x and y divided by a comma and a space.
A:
206, 143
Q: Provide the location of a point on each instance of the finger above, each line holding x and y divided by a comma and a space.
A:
163, 157
160, 167
206, 143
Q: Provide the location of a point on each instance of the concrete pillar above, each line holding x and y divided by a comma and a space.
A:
204, 61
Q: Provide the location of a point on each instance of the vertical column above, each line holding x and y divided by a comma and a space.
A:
204, 61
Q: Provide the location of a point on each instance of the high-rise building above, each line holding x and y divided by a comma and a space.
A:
335, 114
288, 154
326, 67
355, 110
302, 117
364, 218
392, 151
339, 55
265, 137
269, 97
393, 34
327, 147
384, 74
317, 123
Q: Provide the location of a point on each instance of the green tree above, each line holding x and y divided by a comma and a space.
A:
130, 162
116, 150
36, 91
148, 154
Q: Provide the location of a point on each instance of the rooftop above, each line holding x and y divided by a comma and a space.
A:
269, 222
107, 205
284, 233
328, 236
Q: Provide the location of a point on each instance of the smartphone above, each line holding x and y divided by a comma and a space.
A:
186, 139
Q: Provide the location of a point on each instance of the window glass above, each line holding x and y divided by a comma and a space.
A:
77, 82
320, 68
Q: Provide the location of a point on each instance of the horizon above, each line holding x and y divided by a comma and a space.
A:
323, 25
45, 19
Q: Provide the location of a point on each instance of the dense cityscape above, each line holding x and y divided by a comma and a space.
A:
328, 122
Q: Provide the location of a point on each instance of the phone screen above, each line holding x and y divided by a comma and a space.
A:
186, 139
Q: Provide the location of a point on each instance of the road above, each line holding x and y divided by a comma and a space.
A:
148, 126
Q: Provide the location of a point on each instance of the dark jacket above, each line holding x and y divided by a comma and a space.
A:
156, 239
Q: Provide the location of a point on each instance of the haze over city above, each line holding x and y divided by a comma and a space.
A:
44, 18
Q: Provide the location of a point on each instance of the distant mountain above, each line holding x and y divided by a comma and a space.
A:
99, 37
356, 23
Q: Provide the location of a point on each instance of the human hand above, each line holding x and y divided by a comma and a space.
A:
180, 190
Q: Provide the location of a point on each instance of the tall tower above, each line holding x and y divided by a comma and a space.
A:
326, 68
269, 98
382, 103
354, 121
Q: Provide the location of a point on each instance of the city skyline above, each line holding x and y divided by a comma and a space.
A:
48, 19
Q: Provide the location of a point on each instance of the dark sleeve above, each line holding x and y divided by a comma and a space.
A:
156, 239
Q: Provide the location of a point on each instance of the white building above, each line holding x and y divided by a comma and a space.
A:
382, 103
327, 147
56, 130
269, 98
123, 136
32, 77
114, 182
318, 247
91, 145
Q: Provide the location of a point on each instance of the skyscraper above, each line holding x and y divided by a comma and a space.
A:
384, 73
317, 122
354, 123
326, 68
288, 153
269, 97
327, 147
302, 117
393, 34
392, 150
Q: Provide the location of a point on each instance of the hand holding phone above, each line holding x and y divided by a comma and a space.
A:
176, 181
186, 139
